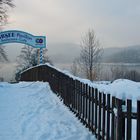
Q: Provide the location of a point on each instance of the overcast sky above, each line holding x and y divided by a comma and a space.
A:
116, 22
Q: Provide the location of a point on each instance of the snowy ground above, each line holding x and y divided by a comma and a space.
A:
123, 89
30, 111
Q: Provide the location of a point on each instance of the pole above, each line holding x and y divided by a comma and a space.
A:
38, 53
41, 55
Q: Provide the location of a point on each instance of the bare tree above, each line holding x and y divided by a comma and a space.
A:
25, 57
4, 7
90, 55
3, 56
45, 59
28, 58
118, 71
75, 69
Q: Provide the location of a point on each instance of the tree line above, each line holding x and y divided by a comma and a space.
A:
87, 64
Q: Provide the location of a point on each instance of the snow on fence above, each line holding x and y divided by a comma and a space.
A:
109, 118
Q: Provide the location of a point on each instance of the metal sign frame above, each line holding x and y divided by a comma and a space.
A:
16, 36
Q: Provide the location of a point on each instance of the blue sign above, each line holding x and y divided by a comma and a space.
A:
14, 36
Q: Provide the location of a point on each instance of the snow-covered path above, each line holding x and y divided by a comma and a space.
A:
30, 111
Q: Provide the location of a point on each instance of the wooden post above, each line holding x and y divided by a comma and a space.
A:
96, 109
108, 117
86, 105
89, 108
99, 115
93, 104
113, 120
81, 96
84, 95
119, 120
138, 120
104, 117
129, 121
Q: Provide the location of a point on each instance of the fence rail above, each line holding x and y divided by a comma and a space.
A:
101, 113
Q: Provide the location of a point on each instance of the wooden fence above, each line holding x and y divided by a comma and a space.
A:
109, 118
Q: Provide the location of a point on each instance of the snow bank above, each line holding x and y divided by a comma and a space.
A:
121, 88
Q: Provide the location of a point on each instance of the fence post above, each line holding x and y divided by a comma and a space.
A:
84, 97
78, 94
113, 119
129, 122
96, 109
108, 117
81, 105
77, 101
119, 120
89, 109
86, 120
76, 98
103, 116
99, 115
82, 92
138, 120
93, 105
73, 97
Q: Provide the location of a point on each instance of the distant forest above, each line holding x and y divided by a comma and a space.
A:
122, 55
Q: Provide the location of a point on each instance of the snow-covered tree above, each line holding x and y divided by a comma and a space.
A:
3, 56
25, 57
28, 58
75, 69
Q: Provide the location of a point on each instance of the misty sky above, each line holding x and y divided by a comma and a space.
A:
115, 22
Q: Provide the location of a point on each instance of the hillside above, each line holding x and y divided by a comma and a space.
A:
66, 53
129, 54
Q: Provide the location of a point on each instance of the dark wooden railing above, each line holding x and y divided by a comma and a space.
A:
109, 118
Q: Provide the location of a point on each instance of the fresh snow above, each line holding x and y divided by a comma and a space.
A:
31, 111
121, 88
